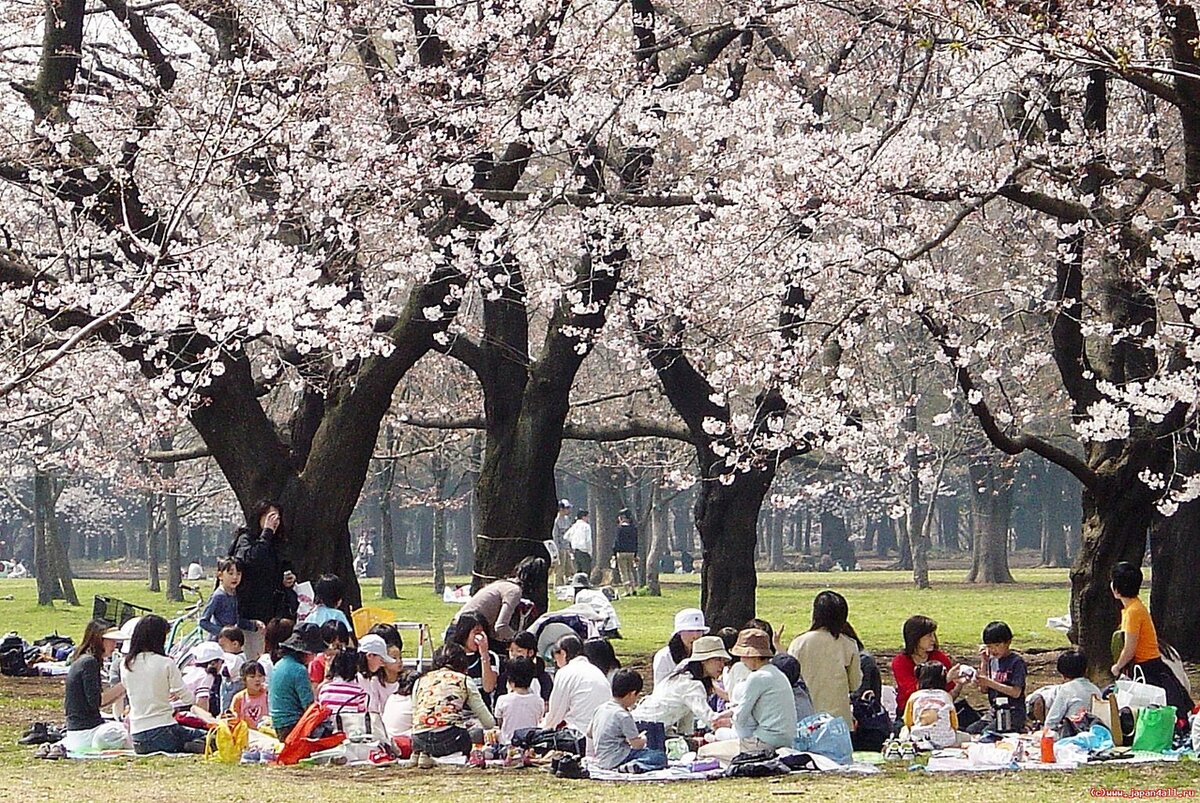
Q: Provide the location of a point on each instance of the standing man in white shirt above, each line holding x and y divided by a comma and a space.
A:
580, 539
579, 687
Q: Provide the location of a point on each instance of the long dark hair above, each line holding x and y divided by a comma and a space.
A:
92, 642
678, 649
465, 623
916, 628
829, 613
150, 636
696, 670
531, 574
848, 630
257, 512
599, 652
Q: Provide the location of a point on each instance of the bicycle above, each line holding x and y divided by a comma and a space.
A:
185, 631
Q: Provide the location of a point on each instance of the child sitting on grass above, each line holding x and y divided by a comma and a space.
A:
929, 714
398, 710
232, 641
1073, 697
250, 704
327, 594
341, 691
444, 702
520, 707
613, 735
337, 637
1002, 674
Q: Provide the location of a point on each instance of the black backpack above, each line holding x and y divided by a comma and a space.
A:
12, 657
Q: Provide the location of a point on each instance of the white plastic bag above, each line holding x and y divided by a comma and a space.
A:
1135, 693
1196, 732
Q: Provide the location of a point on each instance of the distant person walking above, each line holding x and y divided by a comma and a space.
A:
562, 523
580, 538
625, 550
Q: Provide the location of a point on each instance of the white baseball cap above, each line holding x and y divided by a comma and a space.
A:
564, 503
375, 645
206, 652
690, 619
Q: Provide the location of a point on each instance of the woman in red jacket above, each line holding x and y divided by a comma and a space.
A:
921, 645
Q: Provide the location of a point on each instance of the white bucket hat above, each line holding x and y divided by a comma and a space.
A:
690, 619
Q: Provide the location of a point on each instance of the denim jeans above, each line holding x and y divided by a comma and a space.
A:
445, 742
169, 739
646, 759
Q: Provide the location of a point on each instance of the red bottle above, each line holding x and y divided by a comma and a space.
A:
1047, 746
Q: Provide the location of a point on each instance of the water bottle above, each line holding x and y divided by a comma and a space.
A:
1047, 746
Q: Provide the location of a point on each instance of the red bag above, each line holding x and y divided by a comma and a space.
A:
298, 745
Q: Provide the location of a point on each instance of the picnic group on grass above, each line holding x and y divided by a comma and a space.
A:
726, 694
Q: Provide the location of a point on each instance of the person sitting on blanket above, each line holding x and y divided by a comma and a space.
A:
291, 690
373, 655
520, 707
579, 687
86, 695
689, 626
398, 710
1073, 698
613, 734
153, 684
336, 636
1002, 674
930, 720
203, 677
341, 691
444, 702
1141, 640
524, 645
681, 701
766, 717
251, 705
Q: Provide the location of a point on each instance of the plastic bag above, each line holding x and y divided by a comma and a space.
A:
1155, 729
1196, 732
1098, 738
1136, 693
226, 740
825, 735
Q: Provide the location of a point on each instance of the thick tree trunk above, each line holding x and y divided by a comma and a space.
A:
439, 470
903, 544
948, 533
1175, 554
47, 582
835, 539
1114, 529
885, 536
171, 522
605, 499
727, 518
991, 500
775, 540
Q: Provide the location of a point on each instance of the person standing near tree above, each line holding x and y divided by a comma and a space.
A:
562, 523
625, 550
267, 579
580, 539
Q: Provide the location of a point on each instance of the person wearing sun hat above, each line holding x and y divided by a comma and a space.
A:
689, 626
291, 692
680, 702
766, 717
86, 695
203, 677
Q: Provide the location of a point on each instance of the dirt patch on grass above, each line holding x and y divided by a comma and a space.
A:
29, 700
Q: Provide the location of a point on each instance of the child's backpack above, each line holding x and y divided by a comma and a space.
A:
226, 740
12, 657
825, 735
298, 745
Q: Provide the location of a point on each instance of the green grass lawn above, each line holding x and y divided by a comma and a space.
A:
879, 603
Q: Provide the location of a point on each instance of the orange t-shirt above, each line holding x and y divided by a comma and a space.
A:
1136, 621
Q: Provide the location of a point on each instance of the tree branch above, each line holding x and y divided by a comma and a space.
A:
178, 455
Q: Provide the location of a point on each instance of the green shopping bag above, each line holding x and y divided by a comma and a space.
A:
1155, 729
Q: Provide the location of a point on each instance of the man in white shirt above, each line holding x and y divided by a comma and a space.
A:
579, 687
579, 536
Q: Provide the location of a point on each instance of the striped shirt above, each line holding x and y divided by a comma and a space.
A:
343, 695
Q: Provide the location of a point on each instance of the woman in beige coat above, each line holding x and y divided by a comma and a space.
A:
828, 657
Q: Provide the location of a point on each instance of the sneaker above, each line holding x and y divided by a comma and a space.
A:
476, 758
252, 756
908, 751
426, 761
891, 750
633, 768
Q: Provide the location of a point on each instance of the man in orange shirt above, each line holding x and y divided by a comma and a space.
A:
1141, 640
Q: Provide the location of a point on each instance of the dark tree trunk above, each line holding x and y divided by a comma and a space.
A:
604, 495
885, 539
153, 528
948, 535
1175, 554
903, 544
835, 539
171, 517
991, 500
439, 470
387, 545
48, 586
775, 540
727, 518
